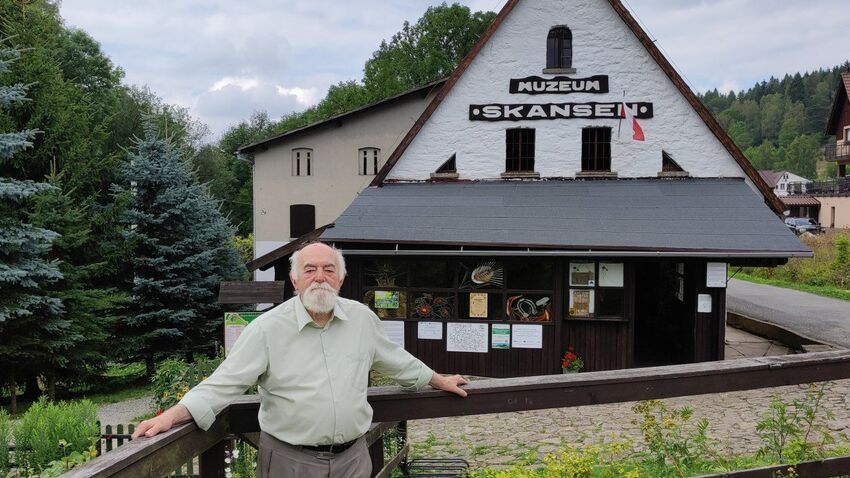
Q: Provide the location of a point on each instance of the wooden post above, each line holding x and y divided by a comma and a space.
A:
376, 452
402, 441
211, 463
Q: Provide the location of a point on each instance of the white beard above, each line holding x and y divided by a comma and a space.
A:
319, 298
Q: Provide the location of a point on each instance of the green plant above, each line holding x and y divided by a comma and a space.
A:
50, 431
173, 378
674, 450
571, 361
5, 435
793, 432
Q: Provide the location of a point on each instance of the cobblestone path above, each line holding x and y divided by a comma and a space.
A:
522, 437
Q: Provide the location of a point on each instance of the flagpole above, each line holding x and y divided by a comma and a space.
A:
620, 123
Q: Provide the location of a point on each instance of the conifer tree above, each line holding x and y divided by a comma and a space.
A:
29, 324
182, 249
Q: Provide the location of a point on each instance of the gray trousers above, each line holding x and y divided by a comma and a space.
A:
277, 459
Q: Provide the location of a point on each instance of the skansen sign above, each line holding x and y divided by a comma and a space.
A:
550, 111
534, 85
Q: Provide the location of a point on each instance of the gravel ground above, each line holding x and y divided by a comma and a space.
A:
123, 412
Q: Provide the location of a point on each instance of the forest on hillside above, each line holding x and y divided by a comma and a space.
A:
780, 124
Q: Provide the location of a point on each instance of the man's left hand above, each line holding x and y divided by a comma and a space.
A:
449, 384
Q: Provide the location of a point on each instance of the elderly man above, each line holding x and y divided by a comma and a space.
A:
311, 357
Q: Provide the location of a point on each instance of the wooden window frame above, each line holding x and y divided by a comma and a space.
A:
302, 162
517, 157
365, 162
596, 149
559, 48
500, 294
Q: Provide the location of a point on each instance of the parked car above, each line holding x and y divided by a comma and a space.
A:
803, 224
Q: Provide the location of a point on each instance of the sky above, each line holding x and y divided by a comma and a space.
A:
224, 59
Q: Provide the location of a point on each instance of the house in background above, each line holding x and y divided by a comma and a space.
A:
565, 187
308, 176
834, 194
791, 190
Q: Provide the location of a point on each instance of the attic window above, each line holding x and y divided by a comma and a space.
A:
302, 162
670, 168
368, 161
519, 150
449, 166
447, 170
559, 49
668, 164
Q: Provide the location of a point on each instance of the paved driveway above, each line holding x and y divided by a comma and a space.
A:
818, 318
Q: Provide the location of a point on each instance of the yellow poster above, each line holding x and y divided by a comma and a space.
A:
478, 305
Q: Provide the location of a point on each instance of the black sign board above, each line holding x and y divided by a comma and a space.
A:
550, 111
559, 85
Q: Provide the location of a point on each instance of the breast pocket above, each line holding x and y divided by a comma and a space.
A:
357, 370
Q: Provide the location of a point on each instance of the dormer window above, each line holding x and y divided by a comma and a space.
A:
302, 162
369, 160
559, 50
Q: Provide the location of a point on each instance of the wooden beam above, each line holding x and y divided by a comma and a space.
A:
156, 456
826, 468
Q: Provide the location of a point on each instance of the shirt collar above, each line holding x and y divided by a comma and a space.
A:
303, 317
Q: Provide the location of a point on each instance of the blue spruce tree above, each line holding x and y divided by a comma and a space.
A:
29, 323
182, 249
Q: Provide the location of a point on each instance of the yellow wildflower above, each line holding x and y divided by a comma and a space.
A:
179, 396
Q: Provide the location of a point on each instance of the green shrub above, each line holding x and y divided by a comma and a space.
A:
5, 436
174, 378
50, 431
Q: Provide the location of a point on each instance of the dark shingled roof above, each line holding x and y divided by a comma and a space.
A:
667, 216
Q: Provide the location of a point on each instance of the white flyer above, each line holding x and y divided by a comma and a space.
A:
394, 330
715, 274
704, 303
462, 337
430, 331
527, 336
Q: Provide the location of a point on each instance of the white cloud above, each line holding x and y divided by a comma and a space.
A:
305, 96
241, 83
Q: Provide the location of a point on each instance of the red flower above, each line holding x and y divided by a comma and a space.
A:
159, 412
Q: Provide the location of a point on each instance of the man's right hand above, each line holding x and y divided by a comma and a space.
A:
175, 415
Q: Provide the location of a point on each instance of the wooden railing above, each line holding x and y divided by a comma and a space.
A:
157, 456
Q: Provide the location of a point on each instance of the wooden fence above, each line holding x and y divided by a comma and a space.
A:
157, 456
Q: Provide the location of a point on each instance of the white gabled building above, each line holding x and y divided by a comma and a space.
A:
565, 187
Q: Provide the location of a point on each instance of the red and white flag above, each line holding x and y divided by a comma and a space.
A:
630, 118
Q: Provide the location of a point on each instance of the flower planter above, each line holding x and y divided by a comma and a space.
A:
566, 370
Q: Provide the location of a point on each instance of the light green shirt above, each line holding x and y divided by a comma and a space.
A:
312, 380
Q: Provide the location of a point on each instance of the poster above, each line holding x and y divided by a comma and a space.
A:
234, 324
582, 273
394, 330
500, 336
610, 274
581, 302
466, 337
704, 303
386, 299
527, 336
430, 331
715, 274
478, 305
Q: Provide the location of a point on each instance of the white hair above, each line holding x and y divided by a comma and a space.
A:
293, 260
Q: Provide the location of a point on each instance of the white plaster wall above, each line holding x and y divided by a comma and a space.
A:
262, 248
602, 45
335, 181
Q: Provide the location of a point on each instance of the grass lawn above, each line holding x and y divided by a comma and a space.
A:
825, 291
